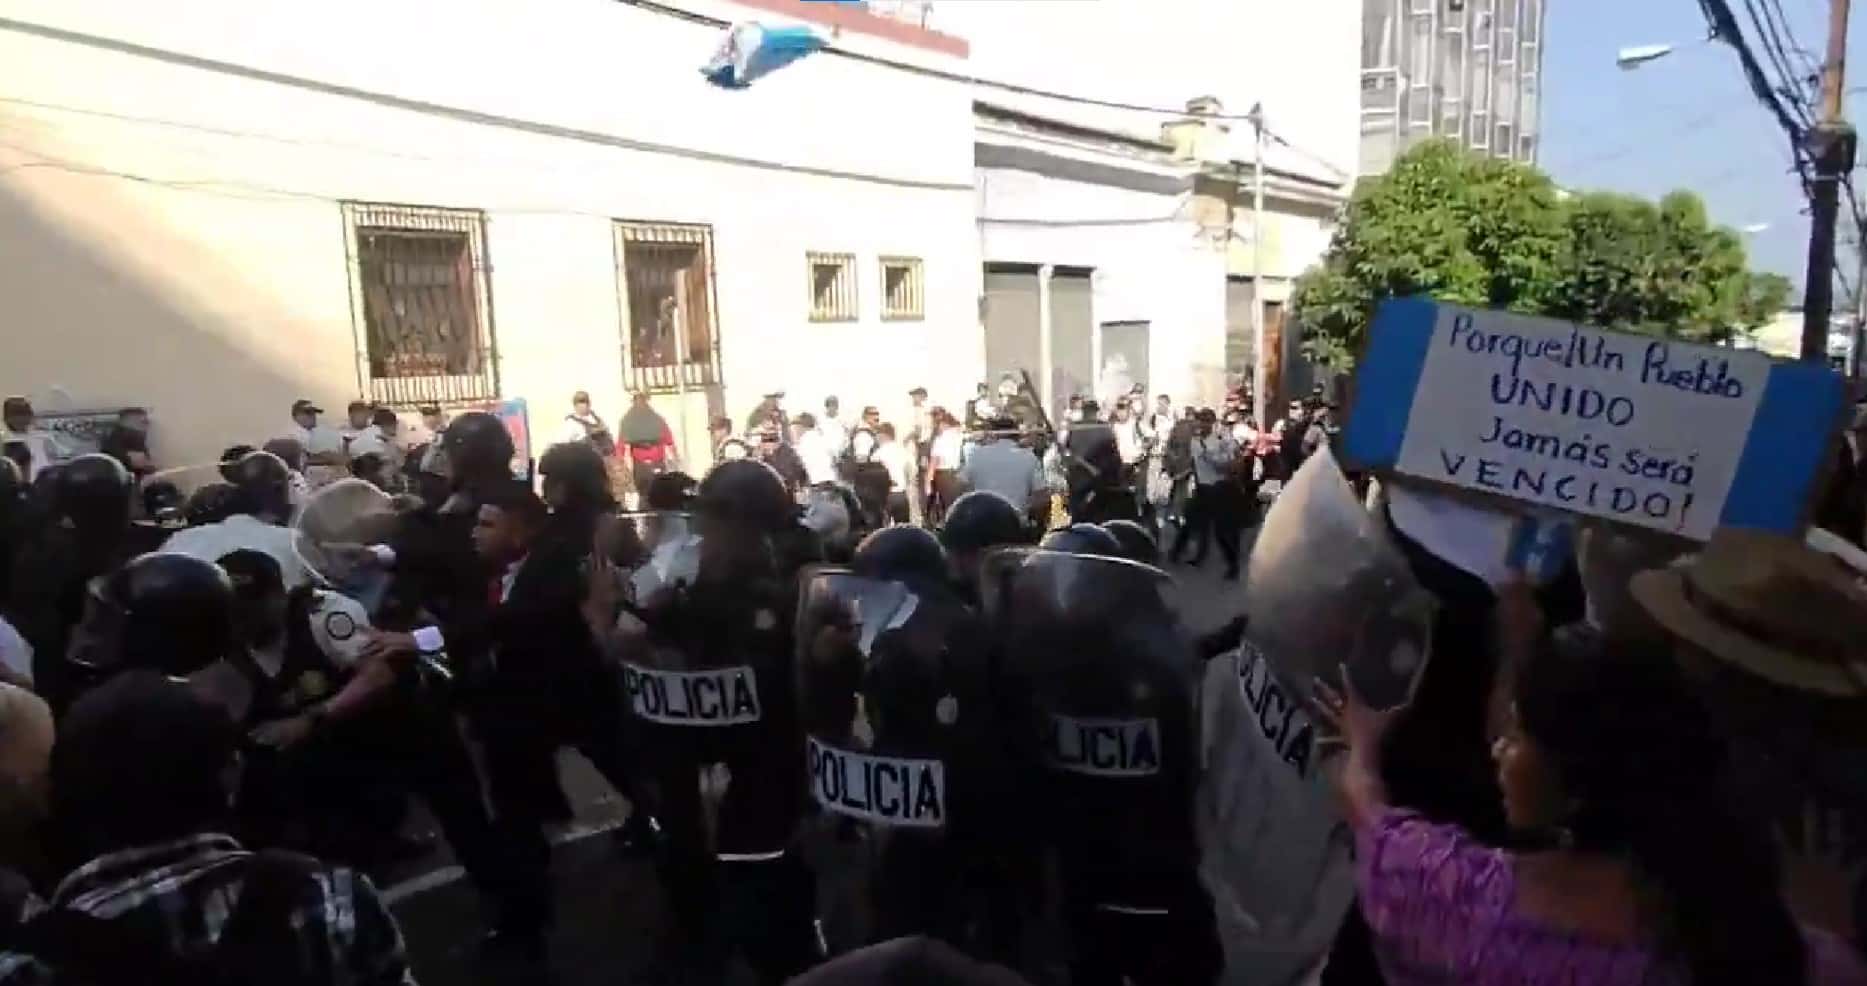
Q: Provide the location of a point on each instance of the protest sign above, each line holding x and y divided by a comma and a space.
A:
1650, 432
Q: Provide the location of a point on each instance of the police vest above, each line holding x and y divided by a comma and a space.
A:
318, 630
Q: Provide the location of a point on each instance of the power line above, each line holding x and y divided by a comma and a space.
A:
973, 80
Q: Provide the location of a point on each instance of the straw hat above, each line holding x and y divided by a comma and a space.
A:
1769, 606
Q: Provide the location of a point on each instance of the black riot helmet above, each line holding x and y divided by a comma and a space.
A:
211, 504
1082, 539
478, 447
982, 519
94, 492
172, 613
747, 492
901, 554
264, 485
1136, 543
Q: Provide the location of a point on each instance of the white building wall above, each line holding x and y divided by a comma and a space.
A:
1150, 264
1299, 58
171, 235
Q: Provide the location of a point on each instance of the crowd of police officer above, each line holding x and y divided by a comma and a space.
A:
978, 735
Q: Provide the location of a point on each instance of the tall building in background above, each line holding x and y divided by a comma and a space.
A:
1470, 70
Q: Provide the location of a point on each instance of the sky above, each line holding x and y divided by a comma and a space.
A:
1684, 121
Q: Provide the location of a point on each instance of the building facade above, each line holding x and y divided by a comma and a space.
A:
1469, 70
1114, 260
214, 215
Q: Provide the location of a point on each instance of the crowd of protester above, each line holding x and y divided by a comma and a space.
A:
1641, 772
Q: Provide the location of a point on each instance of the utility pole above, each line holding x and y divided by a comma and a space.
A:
1260, 359
1831, 145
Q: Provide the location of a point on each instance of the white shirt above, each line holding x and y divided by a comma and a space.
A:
946, 449
337, 623
1127, 441
819, 463
574, 430
835, 433
367, 441
895, 458
1006, 468
1212, 459
211, 542
316, 441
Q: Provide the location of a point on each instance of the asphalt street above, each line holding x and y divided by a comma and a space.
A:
609, 909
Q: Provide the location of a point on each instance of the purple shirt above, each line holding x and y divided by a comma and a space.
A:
1443, 909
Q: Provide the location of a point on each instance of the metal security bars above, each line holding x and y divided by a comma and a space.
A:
665, 277
832, 286
420, 304
903, 294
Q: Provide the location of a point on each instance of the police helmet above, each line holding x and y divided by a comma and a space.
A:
1136, 543
175, 612
263, 483
94, 491
212, 504
748, 492
162, 500
477, 444
669, 491
982, 519
1082, 539
577, 471
900, 553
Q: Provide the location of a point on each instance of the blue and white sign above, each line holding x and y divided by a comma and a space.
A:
1656, 433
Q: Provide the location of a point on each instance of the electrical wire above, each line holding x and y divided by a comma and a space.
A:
973, 80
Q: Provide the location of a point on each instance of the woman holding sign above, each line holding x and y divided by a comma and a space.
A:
1634, 868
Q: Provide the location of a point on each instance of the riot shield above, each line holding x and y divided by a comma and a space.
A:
1325, 588
1100, 676
655, 553
335, 527
904, 754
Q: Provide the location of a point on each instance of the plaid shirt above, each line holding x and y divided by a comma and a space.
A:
180, 896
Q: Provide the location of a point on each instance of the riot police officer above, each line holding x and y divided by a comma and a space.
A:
903, 743
709, 684
88, 501
1101, 680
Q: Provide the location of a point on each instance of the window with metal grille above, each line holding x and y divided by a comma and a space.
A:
832, 286
903, 297
666, 279
420, 302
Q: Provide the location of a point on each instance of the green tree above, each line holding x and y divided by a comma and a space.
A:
1497, 234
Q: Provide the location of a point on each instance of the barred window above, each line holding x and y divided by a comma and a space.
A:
666, 278
903, 297
832, 287
419, 299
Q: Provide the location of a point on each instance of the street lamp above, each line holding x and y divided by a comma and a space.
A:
1753, 229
